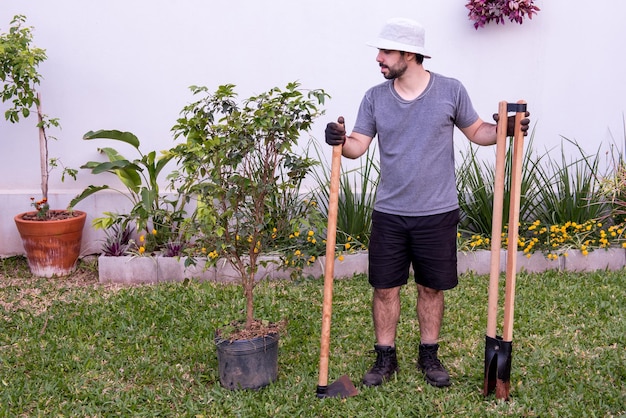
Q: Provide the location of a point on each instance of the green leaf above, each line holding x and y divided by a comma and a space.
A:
116, 135
86, 193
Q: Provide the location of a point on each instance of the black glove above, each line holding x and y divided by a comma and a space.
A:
335, 134
510, 124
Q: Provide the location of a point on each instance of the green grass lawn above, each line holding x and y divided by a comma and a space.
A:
73, 347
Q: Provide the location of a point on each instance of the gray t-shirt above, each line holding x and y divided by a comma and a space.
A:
415, 141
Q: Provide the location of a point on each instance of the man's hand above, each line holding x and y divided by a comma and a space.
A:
510, 124
335, 133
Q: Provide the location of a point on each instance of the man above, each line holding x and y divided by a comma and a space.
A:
416, 211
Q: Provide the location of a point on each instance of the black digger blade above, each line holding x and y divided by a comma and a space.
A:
497, 367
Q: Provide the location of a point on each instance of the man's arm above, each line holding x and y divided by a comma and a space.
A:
356, 144
481, 132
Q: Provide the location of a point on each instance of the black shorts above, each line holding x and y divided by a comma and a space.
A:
428, 243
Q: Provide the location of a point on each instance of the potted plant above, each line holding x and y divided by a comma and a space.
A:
159, 219
52, 238
244, 166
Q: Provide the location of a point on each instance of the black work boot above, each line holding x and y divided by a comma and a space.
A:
385, 366
434, 372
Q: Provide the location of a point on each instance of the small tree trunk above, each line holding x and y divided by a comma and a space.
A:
43, 151
248, 288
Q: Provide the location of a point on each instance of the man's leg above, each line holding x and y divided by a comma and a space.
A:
385, 313
430, 307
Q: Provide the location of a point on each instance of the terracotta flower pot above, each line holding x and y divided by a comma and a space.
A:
53, 246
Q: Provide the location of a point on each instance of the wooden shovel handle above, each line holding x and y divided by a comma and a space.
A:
329, 265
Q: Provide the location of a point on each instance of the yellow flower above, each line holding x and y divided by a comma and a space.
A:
311, 233
142, 250
347, 246
154, 232
142, 238
340, 258
203, 250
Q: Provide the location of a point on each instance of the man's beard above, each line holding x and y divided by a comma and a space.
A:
395, 72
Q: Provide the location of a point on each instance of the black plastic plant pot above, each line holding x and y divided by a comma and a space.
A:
248, 364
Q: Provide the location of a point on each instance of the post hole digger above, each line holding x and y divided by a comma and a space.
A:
342, 387
498, 349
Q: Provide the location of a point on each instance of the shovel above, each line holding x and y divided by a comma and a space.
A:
498, 349
342, 387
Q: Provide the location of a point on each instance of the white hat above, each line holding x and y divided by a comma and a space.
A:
400, 34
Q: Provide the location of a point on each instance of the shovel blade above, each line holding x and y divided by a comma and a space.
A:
497, 367
342, 388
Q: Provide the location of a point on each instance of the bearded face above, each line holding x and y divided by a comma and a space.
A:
394, 71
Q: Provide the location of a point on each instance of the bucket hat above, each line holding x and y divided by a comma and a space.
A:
401, 34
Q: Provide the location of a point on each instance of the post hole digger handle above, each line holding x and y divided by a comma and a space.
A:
498, 349
516, 194
492, 342
496, 223
343, 387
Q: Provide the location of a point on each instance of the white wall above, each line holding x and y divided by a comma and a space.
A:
127, 65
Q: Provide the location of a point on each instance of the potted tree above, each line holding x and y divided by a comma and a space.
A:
243, 162
51, 238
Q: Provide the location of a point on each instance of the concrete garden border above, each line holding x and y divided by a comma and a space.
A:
138, 270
